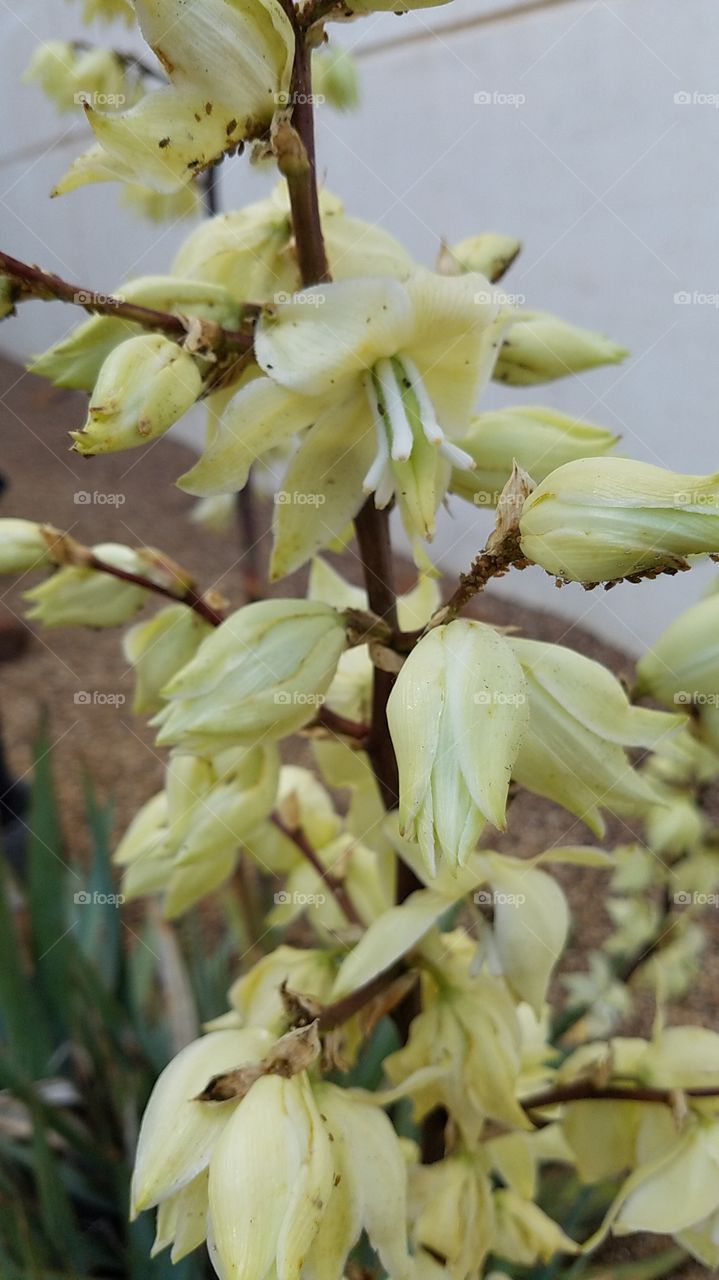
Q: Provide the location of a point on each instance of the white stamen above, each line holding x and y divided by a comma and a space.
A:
376, 472
428, 416
458, 457
402, 438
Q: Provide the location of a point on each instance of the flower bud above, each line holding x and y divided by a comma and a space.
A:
69, 75
580, 721
79, 597
262, 673
490, 254
144, 386
334, 77
681, 669
158, 648
457, 714
107, 11
171, 207
540, 347
676, 827
597, 520
22, 546
539, 440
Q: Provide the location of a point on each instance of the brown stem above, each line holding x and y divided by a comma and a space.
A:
584, 1091
334, 1015
32, 282
301, 173
488, 565
334, 885
335, 723
190, 596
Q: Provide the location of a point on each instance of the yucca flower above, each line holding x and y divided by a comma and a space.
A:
384, 375
228, 64
580, 722
457, 714
262, 673
295, 1170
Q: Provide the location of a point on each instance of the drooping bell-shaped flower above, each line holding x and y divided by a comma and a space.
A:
597, 520
228, 63
78, 597
457, 715
158, 648
385, 375
580, 722
251, 252
262, 674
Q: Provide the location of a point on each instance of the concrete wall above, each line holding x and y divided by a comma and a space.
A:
598, 146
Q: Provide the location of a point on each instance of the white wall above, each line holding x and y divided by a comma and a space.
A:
610, 181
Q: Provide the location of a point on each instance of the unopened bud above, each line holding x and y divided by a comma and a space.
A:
144, 386
540, 347
600, 519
